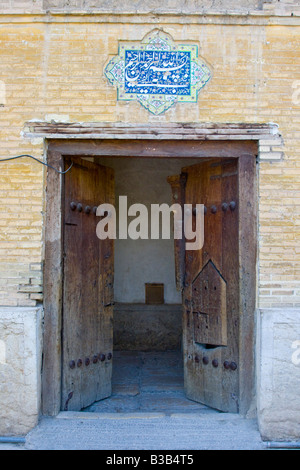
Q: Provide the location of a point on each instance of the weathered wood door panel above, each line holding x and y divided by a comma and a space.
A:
87, 334
211, 288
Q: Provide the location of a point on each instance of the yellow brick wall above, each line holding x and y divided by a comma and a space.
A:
56, 68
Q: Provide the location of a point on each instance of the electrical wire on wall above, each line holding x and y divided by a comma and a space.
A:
37, 160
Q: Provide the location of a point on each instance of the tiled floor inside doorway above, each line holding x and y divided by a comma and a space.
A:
148, 382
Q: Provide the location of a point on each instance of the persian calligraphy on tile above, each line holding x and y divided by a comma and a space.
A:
157, 72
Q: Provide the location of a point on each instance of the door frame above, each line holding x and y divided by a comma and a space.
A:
144, 141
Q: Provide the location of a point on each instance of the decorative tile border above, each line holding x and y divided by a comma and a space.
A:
157, 72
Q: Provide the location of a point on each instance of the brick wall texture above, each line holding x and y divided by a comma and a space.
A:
54, 66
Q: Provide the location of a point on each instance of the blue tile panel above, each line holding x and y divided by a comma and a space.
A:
158, 72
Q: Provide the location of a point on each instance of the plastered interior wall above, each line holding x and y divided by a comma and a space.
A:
140, 327
144, 181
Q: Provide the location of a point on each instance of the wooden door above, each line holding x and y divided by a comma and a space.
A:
211, 286
87, 333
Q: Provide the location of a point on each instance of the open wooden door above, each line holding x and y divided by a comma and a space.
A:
87, 332
210, 286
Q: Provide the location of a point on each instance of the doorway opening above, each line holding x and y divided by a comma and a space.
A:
101, 270
75, 364
147, 371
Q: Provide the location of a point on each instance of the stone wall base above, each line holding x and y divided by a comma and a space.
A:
278, 374
277, 371
20, 369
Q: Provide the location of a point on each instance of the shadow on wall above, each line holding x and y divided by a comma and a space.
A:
140, 327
